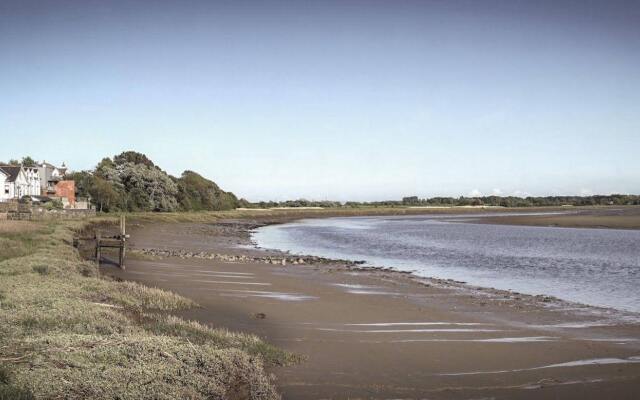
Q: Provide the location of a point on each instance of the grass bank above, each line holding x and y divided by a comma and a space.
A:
18, 238
67, 333
292, 213
285, 215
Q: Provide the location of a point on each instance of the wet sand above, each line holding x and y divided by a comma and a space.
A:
610, 217
382, 334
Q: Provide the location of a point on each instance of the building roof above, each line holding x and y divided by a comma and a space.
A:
62, 170
46, 164
40, 199
12, 171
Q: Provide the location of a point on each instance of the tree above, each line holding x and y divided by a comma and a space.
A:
132, 157
132, 182
83, 181
103, 165
410, 200
244, 203
103, 194
198, 193
147, 188
28, 162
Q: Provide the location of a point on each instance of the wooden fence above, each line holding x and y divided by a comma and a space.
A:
118, 241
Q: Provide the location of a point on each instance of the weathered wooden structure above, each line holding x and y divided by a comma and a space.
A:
117, 241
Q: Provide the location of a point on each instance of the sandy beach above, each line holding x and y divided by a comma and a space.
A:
383, 334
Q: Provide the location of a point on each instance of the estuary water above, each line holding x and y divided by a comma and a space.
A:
598, 267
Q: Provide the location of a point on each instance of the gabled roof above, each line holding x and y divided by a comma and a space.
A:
12, 171
62, 170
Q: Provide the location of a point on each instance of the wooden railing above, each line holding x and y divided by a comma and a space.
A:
117, 241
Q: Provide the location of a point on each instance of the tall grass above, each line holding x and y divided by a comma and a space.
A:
66, 333
19, 238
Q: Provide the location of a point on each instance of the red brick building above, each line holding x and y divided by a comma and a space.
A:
66, 189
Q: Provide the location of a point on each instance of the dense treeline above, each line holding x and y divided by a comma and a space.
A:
512, 201
294, 203
132, 182
495, 201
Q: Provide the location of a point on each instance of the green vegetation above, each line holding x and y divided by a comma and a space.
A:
54, 204
26, 161
19, 238
493, 201
132, 182
296, 203
197, 193
138, 185
513, 201
67, 333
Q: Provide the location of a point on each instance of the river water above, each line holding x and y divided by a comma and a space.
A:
598, 267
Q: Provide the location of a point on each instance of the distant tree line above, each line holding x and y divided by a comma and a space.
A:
529, 201
26, 162
293, 203
132, 182
496, 201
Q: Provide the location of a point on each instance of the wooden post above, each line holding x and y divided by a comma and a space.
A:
97, 248
123, 237
122, 255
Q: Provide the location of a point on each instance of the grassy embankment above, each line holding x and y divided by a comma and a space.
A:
292, 213
67, 333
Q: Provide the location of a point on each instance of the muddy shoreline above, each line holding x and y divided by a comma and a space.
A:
245, 250
380, 333
627, 217
236, 246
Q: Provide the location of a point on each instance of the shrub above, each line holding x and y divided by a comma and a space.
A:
8, 392
41, 269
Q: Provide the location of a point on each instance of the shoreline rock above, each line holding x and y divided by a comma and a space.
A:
274, 260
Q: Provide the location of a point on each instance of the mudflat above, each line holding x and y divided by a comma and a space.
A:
381, 334
627, 217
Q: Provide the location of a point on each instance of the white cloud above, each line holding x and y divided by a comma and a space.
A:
586, 192
475, 193
496, 192
520, 193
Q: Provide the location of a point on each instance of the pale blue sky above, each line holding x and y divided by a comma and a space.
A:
364, 100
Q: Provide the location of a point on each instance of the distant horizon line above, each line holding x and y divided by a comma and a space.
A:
501, 196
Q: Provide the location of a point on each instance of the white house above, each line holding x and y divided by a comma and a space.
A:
4, 185
17, 181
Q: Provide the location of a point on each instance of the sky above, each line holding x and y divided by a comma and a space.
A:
341, 100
